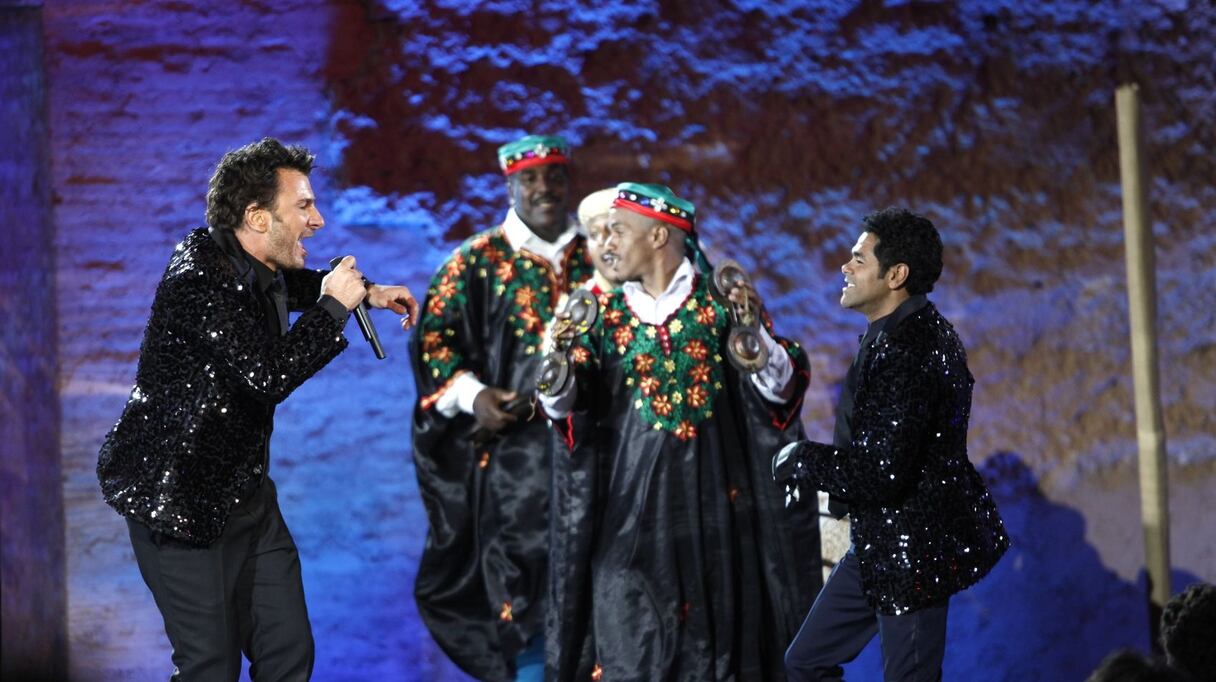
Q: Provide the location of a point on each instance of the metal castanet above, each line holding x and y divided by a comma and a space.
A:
575, 319
743, 346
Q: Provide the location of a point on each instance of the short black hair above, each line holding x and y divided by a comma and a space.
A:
1128, 665
904, 237
249, 175
1188, 629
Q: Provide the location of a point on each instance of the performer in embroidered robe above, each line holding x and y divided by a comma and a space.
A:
482, 464
672, 557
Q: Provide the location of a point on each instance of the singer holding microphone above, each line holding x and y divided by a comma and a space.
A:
187, 463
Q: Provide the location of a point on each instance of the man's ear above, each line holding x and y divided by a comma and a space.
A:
897, 276
256, 218
660, 234
510, 193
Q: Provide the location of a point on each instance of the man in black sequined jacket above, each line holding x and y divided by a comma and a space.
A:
187, 462
923, 524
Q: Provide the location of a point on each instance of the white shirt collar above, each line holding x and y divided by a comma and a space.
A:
656, 310
522, 238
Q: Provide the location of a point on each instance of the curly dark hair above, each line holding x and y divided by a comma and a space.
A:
1127, 665
904, 237
1188, 630
249, 175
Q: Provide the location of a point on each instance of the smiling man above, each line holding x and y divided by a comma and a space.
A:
188, 462
923, 524
481, 455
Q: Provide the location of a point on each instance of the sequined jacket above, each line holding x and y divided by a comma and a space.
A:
923, 523
195, 428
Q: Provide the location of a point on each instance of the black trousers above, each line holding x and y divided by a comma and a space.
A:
241, 593
841, 623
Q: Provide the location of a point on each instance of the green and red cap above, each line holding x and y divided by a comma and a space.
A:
532, 151
656, 201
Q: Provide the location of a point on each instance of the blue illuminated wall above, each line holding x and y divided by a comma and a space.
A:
785, 122
33, 595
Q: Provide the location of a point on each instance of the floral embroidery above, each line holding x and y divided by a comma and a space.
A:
505, 272
525, 297
698, 396
455, 266
612, 316
696, 349
661, 405
524, 280
622, 336
699, 374
435, 306
580, 355
642, 364
673, 367
686, 431
648, 385
532, 322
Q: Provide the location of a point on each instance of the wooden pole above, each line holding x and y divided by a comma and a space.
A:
1142, 308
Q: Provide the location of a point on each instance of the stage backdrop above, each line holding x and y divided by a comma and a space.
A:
785, 122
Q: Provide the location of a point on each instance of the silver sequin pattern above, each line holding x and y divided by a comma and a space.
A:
194, 429
924, 525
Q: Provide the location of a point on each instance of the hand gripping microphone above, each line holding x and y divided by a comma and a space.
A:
365, 322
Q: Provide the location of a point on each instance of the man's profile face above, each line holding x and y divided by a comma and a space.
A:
293, 219
629, 245
865, 288
539, 195
597, 240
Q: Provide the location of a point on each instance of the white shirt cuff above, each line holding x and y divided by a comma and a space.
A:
775, 379
460, 396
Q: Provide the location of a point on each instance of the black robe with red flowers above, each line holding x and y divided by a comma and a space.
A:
673, 556
481, 579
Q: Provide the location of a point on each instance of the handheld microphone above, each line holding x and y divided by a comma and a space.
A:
365, 321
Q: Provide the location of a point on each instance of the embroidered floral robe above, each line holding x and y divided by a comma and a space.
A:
673, 556
481, 579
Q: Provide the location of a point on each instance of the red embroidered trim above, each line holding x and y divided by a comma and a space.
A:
657, 215
783, 421
568, 432
534, 161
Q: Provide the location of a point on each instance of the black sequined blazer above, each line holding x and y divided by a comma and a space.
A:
195, 428
923, 523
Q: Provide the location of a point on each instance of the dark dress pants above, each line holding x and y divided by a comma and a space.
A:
841, 623
241, 593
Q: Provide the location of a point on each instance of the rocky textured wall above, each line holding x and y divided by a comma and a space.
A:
785, 122
34, 593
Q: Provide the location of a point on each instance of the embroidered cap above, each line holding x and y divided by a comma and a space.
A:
531, 151
595, 204
656, 201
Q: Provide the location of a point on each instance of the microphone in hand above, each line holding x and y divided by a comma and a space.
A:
364, 320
